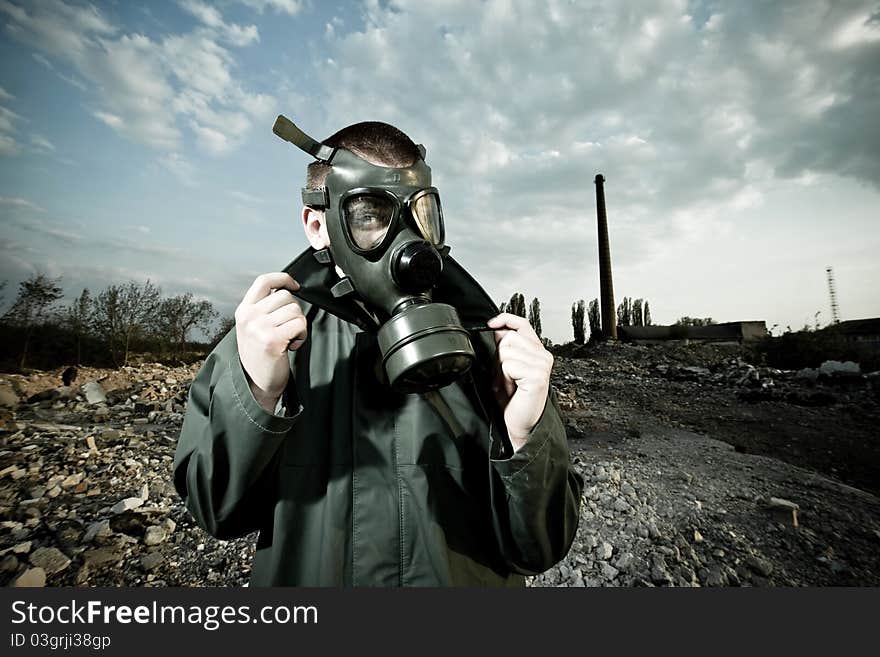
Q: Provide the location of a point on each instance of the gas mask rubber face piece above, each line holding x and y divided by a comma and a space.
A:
386, 233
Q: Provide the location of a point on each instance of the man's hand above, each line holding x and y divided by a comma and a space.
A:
268, 322
523, 377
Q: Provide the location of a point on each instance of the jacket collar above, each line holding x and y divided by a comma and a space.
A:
456, 288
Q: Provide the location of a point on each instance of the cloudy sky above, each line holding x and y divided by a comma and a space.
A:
739, 140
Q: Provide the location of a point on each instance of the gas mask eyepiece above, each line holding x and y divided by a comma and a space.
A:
386, 233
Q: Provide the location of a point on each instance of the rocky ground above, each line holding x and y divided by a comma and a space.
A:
700, 469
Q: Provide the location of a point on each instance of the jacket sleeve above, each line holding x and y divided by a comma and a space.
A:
227, 454
536, 495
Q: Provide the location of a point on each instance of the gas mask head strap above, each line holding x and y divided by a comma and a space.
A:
288, 131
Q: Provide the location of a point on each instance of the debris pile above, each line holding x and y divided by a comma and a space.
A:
86, 491
689, 481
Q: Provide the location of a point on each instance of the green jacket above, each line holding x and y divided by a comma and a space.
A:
363, 486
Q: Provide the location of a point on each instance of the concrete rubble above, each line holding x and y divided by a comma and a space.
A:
691, 478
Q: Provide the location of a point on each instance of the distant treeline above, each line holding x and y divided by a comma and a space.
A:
102, 329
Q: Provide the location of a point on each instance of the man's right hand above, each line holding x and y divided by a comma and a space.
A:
268, 322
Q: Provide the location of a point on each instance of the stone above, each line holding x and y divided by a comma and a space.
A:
97, 529
50, 559
716, 576
609, 572
127, 504
82, 575
842, 369
604, 551
8, 398
758, 565
94, 393
90, 442
621, 505
32, 577
73, 480
9, 564
110, 434
22, 548
625, 561
698, 537
155, 535
101, 556
151, 560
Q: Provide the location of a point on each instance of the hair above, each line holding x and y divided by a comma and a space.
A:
379, 143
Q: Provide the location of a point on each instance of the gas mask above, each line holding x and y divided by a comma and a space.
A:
386, 233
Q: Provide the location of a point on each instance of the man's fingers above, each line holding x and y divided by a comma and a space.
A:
517, 370
278, 299
515, 322
517, 338
284, 314
542, 360
295, 328
263, 283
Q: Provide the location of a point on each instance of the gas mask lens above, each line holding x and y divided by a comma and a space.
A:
368, 218
425, 208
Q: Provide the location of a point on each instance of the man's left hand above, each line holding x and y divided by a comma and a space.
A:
523, 378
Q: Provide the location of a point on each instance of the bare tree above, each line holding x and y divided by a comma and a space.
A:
31, 307
78, 318
647, 314
226, 324
123, 312
139, 303
180, 314
107, 314
535, 315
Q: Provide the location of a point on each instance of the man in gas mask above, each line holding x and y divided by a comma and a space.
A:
371, 414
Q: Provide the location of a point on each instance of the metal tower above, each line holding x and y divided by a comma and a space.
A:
835, 313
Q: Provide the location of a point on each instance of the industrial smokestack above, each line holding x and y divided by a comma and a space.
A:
606, 287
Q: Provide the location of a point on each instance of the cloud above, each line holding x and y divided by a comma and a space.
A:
693, 120
29, 222
148, 90
41, 145
176, 164
19, 204
70, 80
289, 7
8, 144
245, 197
237, 35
